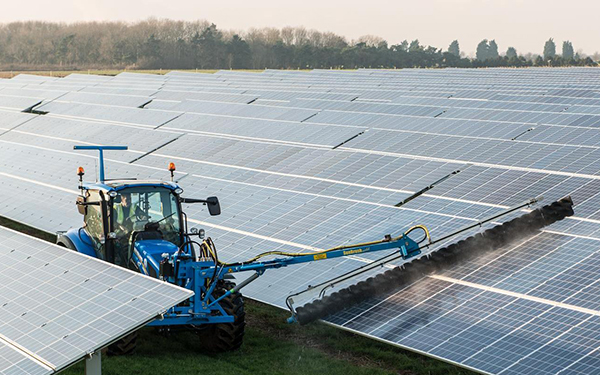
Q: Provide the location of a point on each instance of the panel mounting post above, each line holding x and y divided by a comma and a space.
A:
93, 364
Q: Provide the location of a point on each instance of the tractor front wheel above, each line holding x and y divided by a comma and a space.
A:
225, 337
124, 346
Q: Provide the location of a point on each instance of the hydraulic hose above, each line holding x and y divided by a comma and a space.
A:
363, 244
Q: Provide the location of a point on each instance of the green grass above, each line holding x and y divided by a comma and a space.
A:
271, 346
23, 228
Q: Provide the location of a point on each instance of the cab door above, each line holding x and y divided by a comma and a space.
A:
95, 221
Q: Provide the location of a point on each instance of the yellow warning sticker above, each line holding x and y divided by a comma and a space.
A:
320, 256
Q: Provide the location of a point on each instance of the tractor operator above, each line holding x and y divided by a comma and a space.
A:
126, 213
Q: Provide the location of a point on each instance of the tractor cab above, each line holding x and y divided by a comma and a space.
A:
142, 213
132, 223
120, 216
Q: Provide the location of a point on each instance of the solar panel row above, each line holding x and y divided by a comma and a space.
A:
58, 306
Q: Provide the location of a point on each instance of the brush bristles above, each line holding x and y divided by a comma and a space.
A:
464, 250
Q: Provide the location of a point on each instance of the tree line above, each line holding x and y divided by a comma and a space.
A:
488, 55
167, 44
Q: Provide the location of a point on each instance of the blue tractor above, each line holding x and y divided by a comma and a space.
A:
140, 225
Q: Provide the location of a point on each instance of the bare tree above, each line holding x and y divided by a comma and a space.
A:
370, 40
287, 35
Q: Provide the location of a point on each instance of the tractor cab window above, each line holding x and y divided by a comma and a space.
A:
93, 223
134, 208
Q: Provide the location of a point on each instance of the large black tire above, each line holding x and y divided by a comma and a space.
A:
64, 241
224, 337
124, 346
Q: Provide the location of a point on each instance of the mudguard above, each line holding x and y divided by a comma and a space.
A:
77, 239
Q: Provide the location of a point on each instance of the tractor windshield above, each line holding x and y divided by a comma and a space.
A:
136, 207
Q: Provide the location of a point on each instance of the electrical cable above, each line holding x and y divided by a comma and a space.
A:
82, 240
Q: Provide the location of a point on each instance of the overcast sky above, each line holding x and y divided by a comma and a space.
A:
524, 24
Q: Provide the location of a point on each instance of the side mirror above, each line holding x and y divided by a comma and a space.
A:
214, 208
81, 207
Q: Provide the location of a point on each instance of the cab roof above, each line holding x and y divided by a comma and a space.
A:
116, 185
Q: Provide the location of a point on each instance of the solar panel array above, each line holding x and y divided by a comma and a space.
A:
59, 306
310, 160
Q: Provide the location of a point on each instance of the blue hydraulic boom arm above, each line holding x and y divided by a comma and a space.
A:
408, 248
201, 271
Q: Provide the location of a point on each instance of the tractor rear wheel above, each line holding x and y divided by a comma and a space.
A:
124, 346
224, 337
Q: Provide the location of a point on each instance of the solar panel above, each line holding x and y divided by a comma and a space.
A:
528, 308
32, 92
58, 306
120, 100
33, 78
10, 120
20, 103
513, 312
315, 134
119, 90
217, 97
61, 131
93, 78
123, 115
